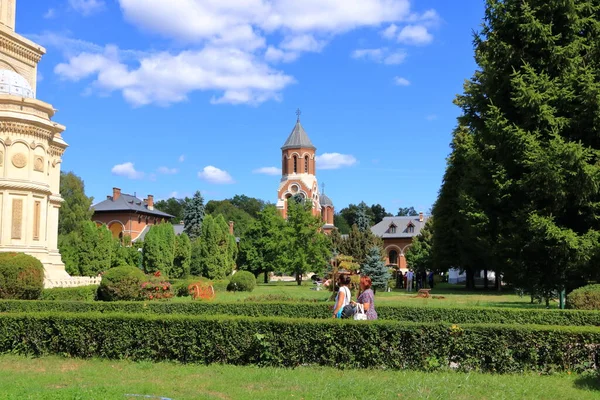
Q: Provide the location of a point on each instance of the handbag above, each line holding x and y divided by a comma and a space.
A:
348, 311
360, 314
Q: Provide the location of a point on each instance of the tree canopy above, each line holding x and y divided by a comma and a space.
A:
193, 216
76, 207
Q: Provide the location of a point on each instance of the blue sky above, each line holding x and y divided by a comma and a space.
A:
168, 97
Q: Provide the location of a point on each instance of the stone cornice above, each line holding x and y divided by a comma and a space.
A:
25, 129
26, 186
25, 103
20, 48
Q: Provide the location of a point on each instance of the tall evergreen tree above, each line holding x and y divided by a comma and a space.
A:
531, 110
214, 252
182, 256
159, 248
418, 255
363, 220
193, 216
375, 268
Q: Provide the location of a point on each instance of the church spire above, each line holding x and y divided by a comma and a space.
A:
298, 139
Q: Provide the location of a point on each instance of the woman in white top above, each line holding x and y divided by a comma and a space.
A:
343, 297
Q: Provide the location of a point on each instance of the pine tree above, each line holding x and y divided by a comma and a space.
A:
159, 247
76, 207
182, 256
193, 216
375, 268
214, 252
363, 221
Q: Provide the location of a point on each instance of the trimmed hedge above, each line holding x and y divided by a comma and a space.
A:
290, 343
317, 311
242, 281
585, 298
121, 283
81, 293
21, 276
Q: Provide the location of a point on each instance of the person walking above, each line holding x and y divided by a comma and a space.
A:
343, 296
367, 297
409, 280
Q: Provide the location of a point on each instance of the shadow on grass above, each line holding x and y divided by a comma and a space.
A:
588, 382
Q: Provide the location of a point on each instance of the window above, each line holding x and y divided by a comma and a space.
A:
284, 166
410, 229
393, 256
295, 164
392, 229
306, 164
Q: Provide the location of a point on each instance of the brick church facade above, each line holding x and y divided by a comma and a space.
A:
298, 176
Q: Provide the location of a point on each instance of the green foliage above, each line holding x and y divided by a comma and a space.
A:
174, 207
259, 248
214, 253
81, 293
419, 256
241, 219
126, 253
21, 276
182, 257
375, 268
159, 248
88, 250
193, 216
357, 244
76, 207
242, 281
180, 286
304, 247
293, 342
407, 211
341, 224
121, 283
363, 219
250, 205
585, 298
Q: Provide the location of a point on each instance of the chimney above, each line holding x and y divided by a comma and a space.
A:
116, 193
231, 227
150, 202
421, 216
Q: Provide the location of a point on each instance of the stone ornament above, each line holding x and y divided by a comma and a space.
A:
1, 159
19, 160
38, 164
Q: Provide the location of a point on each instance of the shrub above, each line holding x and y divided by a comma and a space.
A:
242, 281
121, 283
180, 286
21, 276
281, 342
81, 293
220, 285
585, 298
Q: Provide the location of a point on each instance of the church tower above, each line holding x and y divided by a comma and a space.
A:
31, 148
298, 175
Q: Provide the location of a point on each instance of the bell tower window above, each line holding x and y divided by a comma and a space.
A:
295, 164
306, 164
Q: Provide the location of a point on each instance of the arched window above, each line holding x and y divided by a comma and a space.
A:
284, 166
306, 164
295, 164
410, 229
393, 256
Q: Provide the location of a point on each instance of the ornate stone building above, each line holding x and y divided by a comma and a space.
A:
31, 147
298, 176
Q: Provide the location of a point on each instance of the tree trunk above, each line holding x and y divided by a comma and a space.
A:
498, 283
470, 283
299, 279
266, 277
485, 279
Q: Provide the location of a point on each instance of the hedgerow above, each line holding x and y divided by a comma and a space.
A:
317, 311
81, 293
293, 342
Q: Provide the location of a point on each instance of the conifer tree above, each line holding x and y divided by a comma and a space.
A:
193, 216
375, 268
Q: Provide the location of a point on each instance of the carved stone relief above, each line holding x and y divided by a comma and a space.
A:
38, 164
17, 218
19, 160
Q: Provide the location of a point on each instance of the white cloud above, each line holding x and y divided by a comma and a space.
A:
87, 7
127, 170
275, 55
334, 160
381, 55
165, 78
304, 42
182, 158
51, 13
415, 34
390, 32
401, 81
215, 175
268, 171
167, 170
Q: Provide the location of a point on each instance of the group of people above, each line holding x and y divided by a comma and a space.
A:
366, 297
411, 279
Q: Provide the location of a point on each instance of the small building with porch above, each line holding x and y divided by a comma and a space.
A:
397, 234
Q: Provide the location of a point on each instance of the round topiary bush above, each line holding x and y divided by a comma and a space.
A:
242, 281
585, 298
21, 276
121, 283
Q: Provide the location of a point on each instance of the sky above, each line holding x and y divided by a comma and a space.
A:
169, 97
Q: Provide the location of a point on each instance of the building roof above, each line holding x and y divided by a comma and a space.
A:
177, 229
382, 229
127, 202
15, 84
298, 138
325, 200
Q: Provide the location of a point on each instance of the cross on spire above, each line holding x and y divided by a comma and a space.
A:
298, 113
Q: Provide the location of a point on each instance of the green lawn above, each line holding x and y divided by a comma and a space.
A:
454, 296
61, 378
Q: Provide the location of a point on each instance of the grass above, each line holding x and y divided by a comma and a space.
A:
63, 378
454, 296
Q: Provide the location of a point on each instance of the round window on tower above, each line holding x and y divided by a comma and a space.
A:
294, 188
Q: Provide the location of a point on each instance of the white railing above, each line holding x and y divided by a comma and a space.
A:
73, 281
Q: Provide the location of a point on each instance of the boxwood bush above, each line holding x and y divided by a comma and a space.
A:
81, 293
317, 311
21, 276
242, 281
121, 283
585, 298
294, 342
